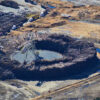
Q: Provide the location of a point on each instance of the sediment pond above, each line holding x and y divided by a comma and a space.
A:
44, 54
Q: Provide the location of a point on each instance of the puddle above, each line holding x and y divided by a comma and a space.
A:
44, 54
52, 7
98, 50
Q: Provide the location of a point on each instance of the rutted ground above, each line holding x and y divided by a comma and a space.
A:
68, 17
14, 14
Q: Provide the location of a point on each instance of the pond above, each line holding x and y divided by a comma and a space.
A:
44, 54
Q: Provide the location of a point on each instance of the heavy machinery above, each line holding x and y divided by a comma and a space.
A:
33, 16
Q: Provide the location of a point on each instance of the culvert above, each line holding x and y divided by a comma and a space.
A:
76, 56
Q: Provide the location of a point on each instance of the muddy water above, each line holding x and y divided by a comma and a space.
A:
43, 54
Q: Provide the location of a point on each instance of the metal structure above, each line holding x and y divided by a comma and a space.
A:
30, 45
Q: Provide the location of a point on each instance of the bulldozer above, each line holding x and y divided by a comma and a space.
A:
34, 16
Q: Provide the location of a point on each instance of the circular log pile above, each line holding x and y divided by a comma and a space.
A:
78, 55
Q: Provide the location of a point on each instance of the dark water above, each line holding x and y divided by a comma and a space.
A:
45, 54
